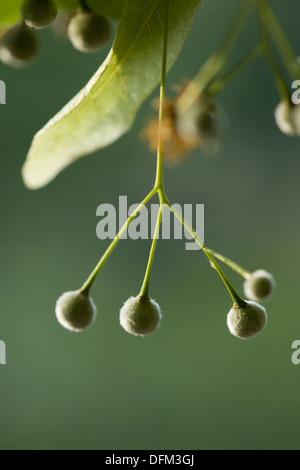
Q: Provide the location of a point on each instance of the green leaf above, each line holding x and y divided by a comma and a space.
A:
10, 9
113, 8
105, 109
10, 12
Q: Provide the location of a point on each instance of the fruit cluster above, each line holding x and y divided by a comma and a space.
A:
86, 30
141, 315
186, 122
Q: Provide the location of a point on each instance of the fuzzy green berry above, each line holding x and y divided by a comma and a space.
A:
88, 31
140, 316
75, 311
287, 117
198, 121
259, 285
18, 46
246, 320
39, 13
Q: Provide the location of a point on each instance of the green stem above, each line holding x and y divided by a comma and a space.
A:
236, 299
280, 38
159, 186
159, 182
283, 90
216, 62
222, 82
144, 293
89, 282
84, 5
243, 272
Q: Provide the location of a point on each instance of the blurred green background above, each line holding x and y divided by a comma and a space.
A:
191, 385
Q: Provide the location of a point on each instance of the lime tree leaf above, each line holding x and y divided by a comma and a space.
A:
10, 9
10, 12
113, 8
105, 109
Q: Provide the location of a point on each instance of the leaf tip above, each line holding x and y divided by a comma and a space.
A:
31, 178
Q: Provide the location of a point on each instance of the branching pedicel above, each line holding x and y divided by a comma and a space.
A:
186, 122
141, 315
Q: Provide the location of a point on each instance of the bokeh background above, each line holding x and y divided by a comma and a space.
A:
191, 385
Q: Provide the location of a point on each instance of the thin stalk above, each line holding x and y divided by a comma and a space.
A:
236, 299
84, 5
159, 181
280, 38
238, 269
275, 67
222, 82
216, 62
144, 292
89, 282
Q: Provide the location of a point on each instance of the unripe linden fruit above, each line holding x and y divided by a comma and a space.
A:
75, 311
247, 320
140, 316
287, 117
39, 13
199, 121
88, 31
18, 46
259, 285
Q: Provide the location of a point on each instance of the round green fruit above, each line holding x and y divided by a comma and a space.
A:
246, 320
18, 46
75, 311
140, 316
259, 285
88, 31
39, 13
